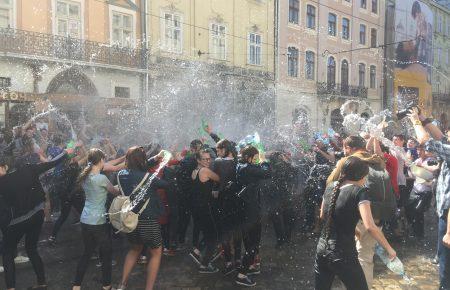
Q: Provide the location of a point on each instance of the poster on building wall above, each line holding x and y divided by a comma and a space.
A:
413, 53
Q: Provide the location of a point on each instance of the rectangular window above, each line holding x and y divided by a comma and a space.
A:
68, 18
172, 33
294, 11
373, 37
218, 41
345, 28
254, 49
5, 13
362, 74
362, 34
309, 65
311, 17
373, 76
122, 29
5, 82
332, 24
292, 62
122, 92
364, 4
375, 6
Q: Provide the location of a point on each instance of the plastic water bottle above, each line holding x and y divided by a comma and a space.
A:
395, 265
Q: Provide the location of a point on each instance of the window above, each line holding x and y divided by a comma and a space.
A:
5, 82
345, 28
218, 41
172, 33
121, 92
439, 23
293, 11
292, 62
332, 24
344, 76
363, 4
331, 71
5, 13
373, 77
68, 18
122, 29
362, 74
375, 6
310, 62
362, 34
373, 37
311, 16
254, 49
439, 53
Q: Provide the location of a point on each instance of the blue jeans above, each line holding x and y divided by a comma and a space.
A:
443, 254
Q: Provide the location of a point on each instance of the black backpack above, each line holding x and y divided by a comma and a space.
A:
381, 193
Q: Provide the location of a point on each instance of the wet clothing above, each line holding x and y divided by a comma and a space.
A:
337, 255
95, 188
392, 169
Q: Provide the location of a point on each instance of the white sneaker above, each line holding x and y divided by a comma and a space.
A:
1, 269
21, 259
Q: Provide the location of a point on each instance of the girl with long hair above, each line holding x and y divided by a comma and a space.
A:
94, 227
345, 203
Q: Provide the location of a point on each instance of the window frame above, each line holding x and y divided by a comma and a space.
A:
164, 46
335, 24
11, 8
212, 37
309, 15
372, 82
122, 87
294, 8
361, 81
348, 71
56, 18
372, 44
296, 62
363, 4
256, 45
312, 74
348, 28
376, 7
360, 34
328, 70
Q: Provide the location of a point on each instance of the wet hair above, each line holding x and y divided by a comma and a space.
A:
95, 155
136, 159
354, 169
355, 142
249, 151
228, 146
415, 9
195, 144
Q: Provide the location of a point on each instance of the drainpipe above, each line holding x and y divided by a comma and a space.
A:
276, 60
389, 23
144, 38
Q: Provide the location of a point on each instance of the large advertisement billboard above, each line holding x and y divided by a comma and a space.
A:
413, 53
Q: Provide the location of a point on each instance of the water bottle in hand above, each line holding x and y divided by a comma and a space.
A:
395, 265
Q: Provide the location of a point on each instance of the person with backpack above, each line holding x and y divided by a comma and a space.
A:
148, 230
345, 202
383, 203
94, 227
22, 214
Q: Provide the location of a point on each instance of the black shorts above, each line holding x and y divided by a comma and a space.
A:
147, 233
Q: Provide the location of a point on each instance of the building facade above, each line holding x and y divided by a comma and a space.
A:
441, 49
329, 52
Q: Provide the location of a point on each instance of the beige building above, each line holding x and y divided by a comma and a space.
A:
329, 53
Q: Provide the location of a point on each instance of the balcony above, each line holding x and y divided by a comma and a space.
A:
341, 90
34, 44
441, 97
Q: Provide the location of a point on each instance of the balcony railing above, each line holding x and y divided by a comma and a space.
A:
442, 97
60, 47
341, 90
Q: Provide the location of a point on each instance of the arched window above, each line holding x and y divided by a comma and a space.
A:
331, 71
362, 74
292, 62
310, 60
344, 77
373, 77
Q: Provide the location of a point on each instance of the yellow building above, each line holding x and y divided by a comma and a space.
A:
237, 33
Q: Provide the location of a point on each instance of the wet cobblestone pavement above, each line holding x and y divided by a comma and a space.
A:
288, 268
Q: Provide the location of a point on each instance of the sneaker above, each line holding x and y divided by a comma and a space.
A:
253, 271
196, 257
142, 260
210, 269
245, 281
21, 259
2, 269
229, 269
435, 260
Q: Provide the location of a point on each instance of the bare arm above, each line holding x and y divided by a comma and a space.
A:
375, 232
207, 174
329, 156
321, 210
112, 168
112, 189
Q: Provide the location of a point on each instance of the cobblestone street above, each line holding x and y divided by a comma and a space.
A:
289, 268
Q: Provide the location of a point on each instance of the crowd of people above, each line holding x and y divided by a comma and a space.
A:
351, 193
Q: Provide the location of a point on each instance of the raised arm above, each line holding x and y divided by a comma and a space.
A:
40, 168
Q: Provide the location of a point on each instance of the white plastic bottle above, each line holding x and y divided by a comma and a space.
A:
395, 265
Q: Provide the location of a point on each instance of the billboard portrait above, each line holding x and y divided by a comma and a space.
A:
413, 53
